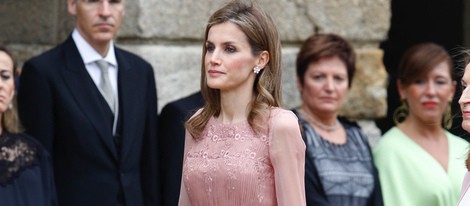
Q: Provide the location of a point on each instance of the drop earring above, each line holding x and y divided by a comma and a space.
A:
256, 70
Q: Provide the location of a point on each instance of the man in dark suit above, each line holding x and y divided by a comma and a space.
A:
171, 136
94, 108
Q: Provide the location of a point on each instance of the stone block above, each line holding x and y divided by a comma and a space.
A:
169, 35
177, 69
290, 93
38, 22
361, 20
296, 20
367, 96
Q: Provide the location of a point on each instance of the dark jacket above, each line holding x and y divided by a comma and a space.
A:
171, 134
60, 105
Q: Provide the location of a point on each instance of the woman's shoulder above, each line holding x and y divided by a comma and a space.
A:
27, 144
8, 139
275, 111
348, 123
392, 135
284, 127
19, 151
282, 116
456, 139
24, 137
390, 141
283, 121
457, 142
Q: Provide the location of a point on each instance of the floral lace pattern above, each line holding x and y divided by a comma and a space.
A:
16, 154
232, 157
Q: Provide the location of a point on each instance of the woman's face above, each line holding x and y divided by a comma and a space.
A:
464, 100
229, 60
429, 96
7, 84
325, 86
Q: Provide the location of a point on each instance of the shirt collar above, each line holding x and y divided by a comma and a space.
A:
89, 54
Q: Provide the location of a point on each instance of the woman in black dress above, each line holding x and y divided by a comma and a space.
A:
25, 171
339, 168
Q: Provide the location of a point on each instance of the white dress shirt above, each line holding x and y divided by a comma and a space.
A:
90, 56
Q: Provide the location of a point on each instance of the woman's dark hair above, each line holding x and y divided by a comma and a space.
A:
419, 60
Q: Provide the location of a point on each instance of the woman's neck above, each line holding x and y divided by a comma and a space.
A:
419, 129
235, 107
330, 118
431, 137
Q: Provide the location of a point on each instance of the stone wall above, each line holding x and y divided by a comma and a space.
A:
169, 34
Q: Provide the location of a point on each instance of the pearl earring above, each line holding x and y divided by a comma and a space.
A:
256, 70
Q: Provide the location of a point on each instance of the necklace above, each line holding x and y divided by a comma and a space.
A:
328, 128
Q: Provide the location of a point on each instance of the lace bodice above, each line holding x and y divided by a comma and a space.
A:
230, 157
233, 165
16, 154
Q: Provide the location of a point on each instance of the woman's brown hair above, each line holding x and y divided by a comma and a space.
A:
10, 119
262, 35
419, 60
322, 46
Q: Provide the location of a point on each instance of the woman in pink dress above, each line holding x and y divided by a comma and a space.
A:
241, 148
464, 102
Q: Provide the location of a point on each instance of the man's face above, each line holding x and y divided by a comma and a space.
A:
97, 20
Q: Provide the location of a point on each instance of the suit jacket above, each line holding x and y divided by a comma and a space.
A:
171, 136
61, 106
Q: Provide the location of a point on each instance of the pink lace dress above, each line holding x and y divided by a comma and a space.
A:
231, 165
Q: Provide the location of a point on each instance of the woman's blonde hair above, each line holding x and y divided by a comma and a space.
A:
262, 35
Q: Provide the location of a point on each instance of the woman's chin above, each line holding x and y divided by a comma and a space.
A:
466, 125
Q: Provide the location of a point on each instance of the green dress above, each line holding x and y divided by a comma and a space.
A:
410, 176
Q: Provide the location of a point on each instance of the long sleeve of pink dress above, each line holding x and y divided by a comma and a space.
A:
233, 165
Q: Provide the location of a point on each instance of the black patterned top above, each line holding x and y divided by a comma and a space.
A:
25, 172
339, 174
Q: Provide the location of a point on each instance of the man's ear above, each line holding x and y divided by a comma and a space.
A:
72, 7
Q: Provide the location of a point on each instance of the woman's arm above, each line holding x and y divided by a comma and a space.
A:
287, 153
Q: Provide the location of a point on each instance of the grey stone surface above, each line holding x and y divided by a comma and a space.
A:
290, 94
169, 35
185, 19
48, 22
367, 96
177, 69
371, 131
364, 20
27, 21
